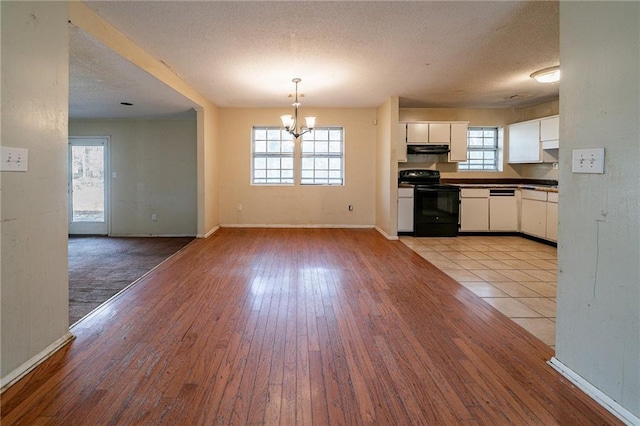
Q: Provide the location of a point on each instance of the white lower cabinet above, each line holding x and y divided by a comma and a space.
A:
405, 209
535, 212
503, 213
474, 210
527, 211
552, 217
534, 217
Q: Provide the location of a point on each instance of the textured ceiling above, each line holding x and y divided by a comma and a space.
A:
349, 54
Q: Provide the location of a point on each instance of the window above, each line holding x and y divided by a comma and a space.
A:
273, 150
482, 149
323, 157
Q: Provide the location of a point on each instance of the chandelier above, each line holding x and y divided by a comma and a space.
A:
290, 122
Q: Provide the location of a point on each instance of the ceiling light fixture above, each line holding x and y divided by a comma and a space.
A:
291, 122
547, 75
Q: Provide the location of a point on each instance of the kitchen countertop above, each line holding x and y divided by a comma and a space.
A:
546, 188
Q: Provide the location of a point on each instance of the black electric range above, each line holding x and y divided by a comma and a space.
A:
436, 206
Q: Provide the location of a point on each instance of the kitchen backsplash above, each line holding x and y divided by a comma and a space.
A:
539, 171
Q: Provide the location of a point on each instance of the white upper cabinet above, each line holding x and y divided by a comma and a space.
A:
417, 132
458, 147
402, 142
550, 132
530, 140
424, 133
524, 142
439, 133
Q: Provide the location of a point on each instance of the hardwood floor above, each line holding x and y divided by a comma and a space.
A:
298, 326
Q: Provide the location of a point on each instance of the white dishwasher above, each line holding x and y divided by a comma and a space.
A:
405, 209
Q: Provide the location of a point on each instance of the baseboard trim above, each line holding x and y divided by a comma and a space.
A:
152, 235
7, 381
594, 393
284, 225
208, 234
387, 236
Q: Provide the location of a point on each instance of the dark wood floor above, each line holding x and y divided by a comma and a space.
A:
315, 326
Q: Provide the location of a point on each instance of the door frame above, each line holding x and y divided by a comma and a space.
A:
105, 141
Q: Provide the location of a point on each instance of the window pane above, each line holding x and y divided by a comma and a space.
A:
259, 163
260, 134
288, 146
482, 144
322, 151
321, 163
273, 163
335, 147
335, 163
322, 147
260, 146
272, 156
307, 147
287, 163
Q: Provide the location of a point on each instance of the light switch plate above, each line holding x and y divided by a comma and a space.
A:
13, 159
588, 161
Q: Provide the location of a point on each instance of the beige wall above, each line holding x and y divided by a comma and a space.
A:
208, 175
155, 166
387, 168
34, 282
296, 205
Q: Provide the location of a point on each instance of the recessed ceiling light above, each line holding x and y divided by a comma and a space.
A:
126, 103
547, 75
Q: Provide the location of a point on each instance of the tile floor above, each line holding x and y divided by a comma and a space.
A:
515, 275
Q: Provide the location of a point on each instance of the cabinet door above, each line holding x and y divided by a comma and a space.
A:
439, 133
458, 148
417, 133
552, 221
405, 214
534, 217
550, 129
474, 214
524, 142
401, 147
503, 213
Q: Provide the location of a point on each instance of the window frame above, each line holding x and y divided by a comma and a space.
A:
465, 165
285, 137
328, 155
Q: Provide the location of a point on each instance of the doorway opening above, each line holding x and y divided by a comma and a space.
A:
88, 186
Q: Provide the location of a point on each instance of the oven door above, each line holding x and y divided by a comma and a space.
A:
436, 209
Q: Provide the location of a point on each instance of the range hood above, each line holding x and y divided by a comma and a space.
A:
427, 149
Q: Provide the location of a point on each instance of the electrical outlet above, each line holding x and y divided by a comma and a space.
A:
554, 166
588, 161
239, 207
154, 216
13, 159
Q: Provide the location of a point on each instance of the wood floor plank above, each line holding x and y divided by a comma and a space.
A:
298, 326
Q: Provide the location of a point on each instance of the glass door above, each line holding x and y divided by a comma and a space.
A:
88, 186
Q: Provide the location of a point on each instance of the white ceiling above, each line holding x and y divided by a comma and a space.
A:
473, 54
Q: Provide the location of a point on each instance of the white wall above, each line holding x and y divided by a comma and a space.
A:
155, 166
34, 282
598, 325
296, 205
